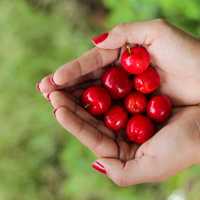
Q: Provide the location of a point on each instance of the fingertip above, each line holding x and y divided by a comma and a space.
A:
99, 167
99, 38
57, 78
106, 45
104, 41
112, 42
46, 85
54, 111
58, 109
46, 96
52, 82
104, 163
66, 73
114, 170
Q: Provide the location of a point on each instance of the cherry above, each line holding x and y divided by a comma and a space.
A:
139, 129
135, 60
148, 81
116, 118
96, 100
159, 108
116, 80
135, 102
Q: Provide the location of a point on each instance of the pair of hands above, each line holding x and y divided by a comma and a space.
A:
176, 56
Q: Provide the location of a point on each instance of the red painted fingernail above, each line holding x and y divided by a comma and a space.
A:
54, 111
100, 38
38, 86
99, 167
52, 81
48, 96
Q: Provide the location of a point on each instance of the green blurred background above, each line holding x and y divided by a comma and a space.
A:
38, 159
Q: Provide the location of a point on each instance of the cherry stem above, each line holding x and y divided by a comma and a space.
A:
87, 106
128, 48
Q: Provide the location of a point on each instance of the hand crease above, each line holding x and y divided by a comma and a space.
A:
98, 59
79, 67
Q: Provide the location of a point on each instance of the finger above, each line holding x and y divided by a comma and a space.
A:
59, 99
46, 96
135, 33
125, 174
100, 144
91, 61
81, 86
46, 85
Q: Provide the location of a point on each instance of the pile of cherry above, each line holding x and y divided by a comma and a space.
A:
125, 99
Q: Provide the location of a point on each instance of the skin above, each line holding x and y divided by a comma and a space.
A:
176, 146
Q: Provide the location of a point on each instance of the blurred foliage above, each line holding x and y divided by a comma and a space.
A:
38, 159
182, 13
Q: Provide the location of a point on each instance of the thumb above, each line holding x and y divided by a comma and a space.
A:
124, 174
133, 33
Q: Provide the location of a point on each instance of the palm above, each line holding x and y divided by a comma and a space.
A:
179, 134
90, 131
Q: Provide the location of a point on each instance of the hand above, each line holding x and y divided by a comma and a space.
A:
174, 53
176, 57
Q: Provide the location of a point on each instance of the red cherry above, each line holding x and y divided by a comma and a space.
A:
139, 129
135, 60
116, 118
135, 102
159, 108
96, 100
116, 80
148, 81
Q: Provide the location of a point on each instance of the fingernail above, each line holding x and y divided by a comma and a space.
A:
54, 111
100, 38
38, 86
52, 81
99, 167
48, 96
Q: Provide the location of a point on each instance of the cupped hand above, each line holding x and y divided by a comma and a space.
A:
175, 54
